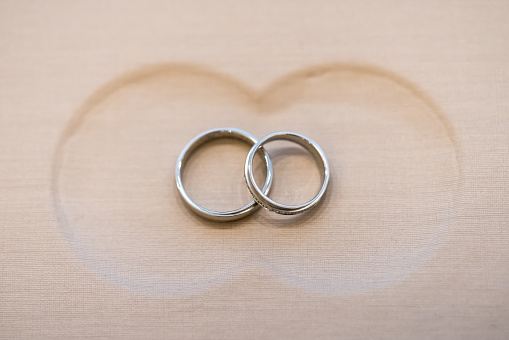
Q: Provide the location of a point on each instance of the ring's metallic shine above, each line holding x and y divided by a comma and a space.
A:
261, 198
192, 146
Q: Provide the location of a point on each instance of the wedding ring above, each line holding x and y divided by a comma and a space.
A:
197, 142
261, 197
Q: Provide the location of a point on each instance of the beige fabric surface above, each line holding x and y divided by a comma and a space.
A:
408, 100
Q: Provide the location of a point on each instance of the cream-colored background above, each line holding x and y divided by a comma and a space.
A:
56, 55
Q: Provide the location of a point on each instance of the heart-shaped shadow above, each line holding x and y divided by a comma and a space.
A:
394, 160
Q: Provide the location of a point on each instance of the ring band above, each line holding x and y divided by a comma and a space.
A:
197, 142
261, 197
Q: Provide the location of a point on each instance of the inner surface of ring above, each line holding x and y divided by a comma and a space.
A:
211, 171
214, 135
299, 171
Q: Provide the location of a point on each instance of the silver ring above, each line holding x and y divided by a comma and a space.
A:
193, 145
261, 197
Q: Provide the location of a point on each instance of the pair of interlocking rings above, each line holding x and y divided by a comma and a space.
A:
260, 196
